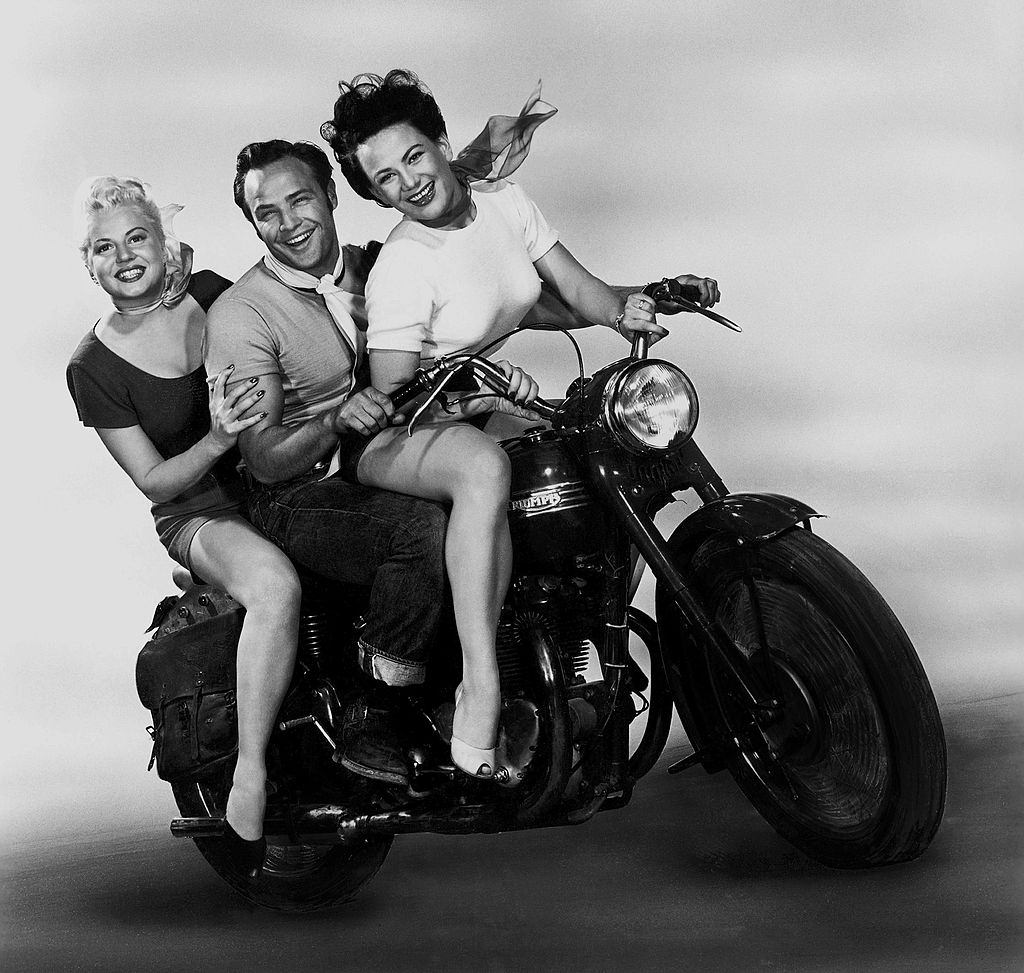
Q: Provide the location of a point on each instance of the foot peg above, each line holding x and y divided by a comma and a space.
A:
306, 721
687, 762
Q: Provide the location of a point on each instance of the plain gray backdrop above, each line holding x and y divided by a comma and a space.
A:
849, 172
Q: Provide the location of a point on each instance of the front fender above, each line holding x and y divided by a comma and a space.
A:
752, 517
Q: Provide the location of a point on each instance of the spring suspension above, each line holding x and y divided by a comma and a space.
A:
314, 630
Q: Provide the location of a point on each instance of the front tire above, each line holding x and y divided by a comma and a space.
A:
851, 769
296, 877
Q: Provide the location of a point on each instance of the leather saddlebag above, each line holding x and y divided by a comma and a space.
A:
185, 676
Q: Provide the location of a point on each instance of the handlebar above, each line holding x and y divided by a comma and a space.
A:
685, 297
487, 372
671, 290
435, 377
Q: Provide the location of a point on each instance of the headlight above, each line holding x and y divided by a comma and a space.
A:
651, 405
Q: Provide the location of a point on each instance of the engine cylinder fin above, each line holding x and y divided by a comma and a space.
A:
569, 629
510, 657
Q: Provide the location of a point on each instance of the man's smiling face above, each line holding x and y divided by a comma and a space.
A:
293, 216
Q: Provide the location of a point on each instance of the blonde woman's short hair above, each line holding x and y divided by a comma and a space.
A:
104, 193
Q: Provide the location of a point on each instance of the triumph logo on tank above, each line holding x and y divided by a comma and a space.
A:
537, 501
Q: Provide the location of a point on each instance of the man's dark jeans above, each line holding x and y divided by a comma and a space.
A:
361, 535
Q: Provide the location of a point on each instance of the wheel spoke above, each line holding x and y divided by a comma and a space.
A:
823, 758
762, 637
822, 767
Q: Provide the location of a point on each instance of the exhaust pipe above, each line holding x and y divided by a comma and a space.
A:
316, 822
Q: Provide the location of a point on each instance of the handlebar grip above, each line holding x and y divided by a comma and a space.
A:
542, 407
404, 394
668, 289
691, 292
688, 297
421, 383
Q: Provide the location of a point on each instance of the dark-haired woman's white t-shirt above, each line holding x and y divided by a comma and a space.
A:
439, 291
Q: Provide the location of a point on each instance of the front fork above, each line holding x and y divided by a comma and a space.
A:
629, 503
615, 661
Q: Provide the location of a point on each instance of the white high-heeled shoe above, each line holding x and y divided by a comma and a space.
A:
471, 760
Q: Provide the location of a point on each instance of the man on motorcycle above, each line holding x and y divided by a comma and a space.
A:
295, 322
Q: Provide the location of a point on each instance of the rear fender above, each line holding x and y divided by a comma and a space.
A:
751, 518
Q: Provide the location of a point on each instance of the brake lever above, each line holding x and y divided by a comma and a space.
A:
443, 371
437, 394
667, 291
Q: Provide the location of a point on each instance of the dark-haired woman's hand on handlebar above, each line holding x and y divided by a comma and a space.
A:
522, 390
521, 385
638, 317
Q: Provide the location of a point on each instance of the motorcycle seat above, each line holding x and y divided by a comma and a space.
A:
317, 590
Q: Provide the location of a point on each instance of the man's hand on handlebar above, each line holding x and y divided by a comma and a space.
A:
365, 412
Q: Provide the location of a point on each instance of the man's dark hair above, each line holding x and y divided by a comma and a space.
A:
369, 105
256, 155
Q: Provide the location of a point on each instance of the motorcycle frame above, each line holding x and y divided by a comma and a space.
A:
635, 488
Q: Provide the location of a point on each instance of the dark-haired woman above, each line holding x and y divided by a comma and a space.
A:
138, 378
459, 270
466, 262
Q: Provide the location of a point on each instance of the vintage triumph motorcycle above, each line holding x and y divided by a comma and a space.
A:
785, 666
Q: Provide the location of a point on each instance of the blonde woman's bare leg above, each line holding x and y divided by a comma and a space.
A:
231, 554
457, 463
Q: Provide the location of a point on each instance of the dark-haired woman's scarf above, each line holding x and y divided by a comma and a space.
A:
503, 144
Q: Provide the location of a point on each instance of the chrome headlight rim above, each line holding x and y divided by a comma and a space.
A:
614, 408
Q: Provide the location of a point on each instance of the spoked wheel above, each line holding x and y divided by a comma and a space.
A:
296, 877
850, 765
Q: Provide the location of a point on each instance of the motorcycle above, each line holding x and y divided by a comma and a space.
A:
784, 665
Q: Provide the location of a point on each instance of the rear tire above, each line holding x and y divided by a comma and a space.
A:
296, 878
853, 769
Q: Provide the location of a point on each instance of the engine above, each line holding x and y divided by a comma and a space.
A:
567, 610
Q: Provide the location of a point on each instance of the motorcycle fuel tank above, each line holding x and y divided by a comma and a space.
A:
554, 519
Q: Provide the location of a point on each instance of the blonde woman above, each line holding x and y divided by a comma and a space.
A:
137, 378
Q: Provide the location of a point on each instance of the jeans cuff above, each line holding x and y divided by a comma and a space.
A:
388, 669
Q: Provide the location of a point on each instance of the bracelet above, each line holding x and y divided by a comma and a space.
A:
617, 323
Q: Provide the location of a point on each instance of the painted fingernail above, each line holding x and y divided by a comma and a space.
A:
253, 381
230, 367
263, 415
259, 394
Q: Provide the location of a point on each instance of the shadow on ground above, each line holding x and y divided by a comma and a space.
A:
687, 877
